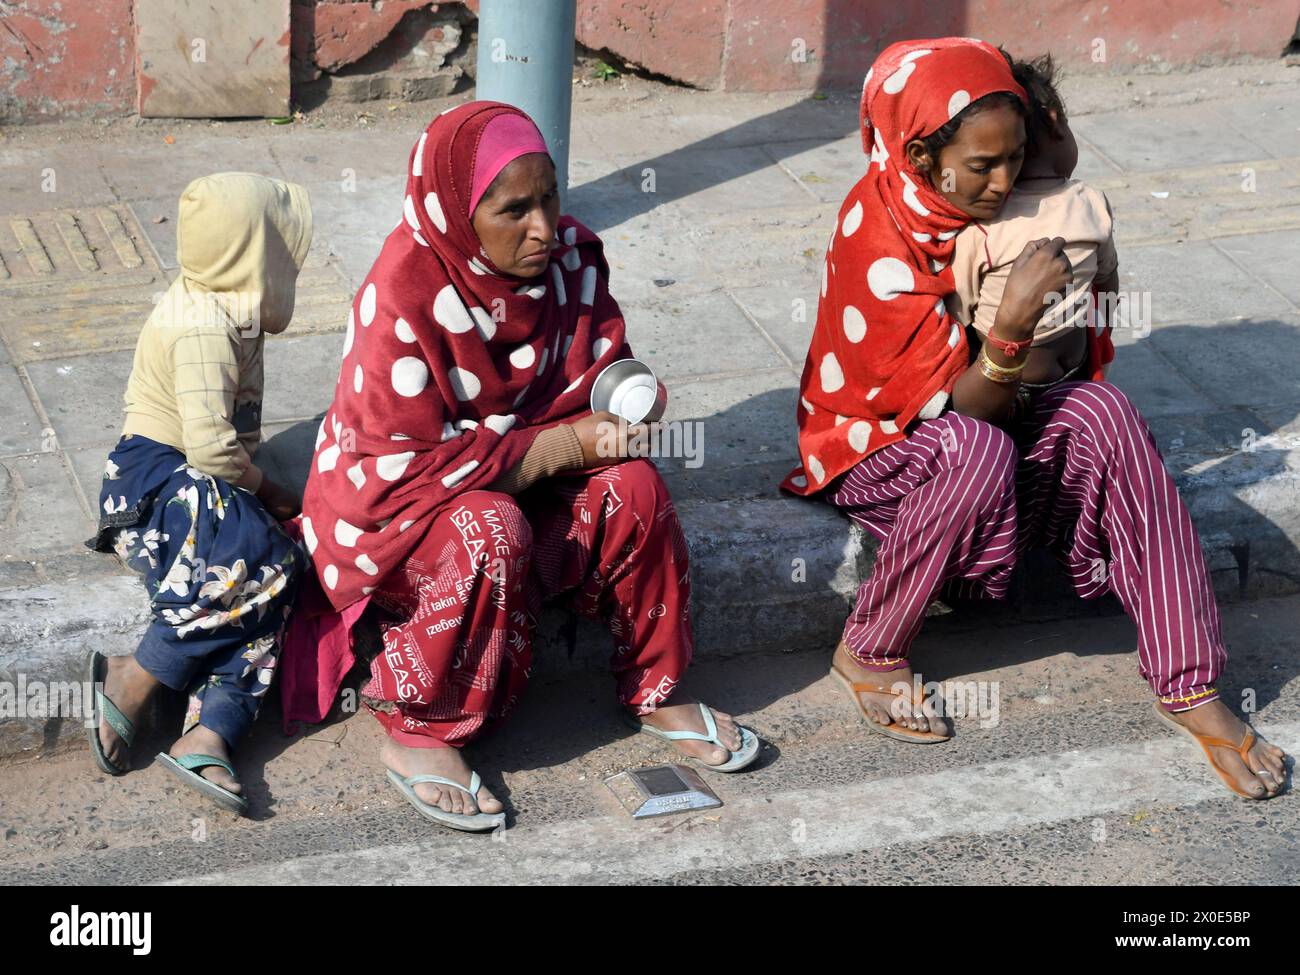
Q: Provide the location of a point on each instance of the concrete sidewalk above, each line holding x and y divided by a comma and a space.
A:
715, 210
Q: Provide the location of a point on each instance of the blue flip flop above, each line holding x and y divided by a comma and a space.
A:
102, 709
477, 823
186, 768
740, 758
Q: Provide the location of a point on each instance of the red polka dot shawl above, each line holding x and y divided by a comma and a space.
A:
450, 367
884, 352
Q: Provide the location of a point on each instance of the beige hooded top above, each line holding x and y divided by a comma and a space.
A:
196, 382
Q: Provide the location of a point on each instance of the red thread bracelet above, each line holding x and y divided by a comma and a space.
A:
1011, 349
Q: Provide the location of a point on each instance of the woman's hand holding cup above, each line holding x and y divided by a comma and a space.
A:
607, 438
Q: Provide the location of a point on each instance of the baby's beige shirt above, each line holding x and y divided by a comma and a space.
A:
985, 251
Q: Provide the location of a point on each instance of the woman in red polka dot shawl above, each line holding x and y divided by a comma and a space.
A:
919, 435
458, 478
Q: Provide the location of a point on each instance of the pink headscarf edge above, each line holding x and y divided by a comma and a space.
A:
505, 138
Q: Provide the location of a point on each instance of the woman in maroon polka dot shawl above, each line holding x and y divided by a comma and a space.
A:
450, 368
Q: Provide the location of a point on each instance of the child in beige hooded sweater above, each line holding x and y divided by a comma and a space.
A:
183, 503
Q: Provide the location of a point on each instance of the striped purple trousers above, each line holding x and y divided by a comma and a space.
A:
960, 500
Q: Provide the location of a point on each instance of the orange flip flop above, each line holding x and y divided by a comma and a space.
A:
1208, 741
858, 688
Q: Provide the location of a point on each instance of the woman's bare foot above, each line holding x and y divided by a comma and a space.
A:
684, 715
886, 709
128, 686
204, 741
448, 763
1217, 720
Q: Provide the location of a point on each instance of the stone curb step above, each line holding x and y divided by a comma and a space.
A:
768, 575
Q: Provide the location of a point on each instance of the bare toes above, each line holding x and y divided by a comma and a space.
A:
221, 778
1268, 780
1253, 785
878, 714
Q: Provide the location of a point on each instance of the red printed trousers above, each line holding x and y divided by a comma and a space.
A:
459, 616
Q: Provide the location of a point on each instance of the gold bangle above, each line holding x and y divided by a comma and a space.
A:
993, 377
1018, 367
996, 373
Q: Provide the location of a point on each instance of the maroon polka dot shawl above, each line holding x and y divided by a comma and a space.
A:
450, 367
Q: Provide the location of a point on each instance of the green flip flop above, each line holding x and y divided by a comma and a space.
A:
102, 709
478, 822
186, 768
742, 757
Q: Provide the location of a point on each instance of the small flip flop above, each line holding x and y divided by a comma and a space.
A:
477, 823
186, 768
740, 758
858, 688
1208, 741
102, 709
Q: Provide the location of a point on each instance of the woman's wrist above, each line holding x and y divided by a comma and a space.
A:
1004, 349
565, 447
1012, 349
1010, 327
997, 372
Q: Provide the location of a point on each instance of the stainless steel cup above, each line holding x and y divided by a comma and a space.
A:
628, 388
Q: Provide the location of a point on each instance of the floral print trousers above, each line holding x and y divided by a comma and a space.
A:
220, 573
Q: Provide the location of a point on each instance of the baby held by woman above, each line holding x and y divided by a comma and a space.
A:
1046, 203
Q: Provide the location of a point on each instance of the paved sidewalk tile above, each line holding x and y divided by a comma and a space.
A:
301, 371
350, 227
286, 451
1272, 257
702, 335
1245, 363
88, 466
160, 171
1167, 138
1156, 388
718, 122
718, 181
744, 418
828, 169
40, 515
20, 431
1194, 282
786, 309
83, 396
49, 177
1270, 121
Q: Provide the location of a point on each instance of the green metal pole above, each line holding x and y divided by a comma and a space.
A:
525, 58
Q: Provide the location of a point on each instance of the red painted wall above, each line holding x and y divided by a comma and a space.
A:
66, 56
77, 56
755, 45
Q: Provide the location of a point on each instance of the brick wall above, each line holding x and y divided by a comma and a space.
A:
77, 56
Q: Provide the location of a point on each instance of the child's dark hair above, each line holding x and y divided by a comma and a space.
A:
1039, 78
